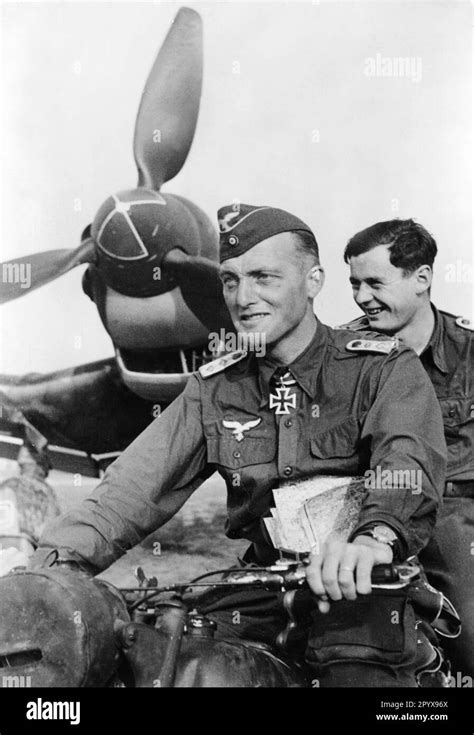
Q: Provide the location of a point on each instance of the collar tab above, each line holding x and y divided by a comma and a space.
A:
372, 345
222, 363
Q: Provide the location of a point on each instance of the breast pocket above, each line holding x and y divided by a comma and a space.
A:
234, 455
456, 413
458, 421
337, 448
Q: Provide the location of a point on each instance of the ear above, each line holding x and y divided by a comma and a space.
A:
314, 281
423, 278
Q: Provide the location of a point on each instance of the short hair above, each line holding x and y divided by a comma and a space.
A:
306, 244
410, 244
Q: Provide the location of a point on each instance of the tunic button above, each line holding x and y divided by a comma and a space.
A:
288, 470
452, 411
288, 423
236, 454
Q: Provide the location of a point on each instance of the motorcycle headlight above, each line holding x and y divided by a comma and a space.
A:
57, 629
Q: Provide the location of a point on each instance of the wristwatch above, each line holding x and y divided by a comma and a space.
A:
384, 535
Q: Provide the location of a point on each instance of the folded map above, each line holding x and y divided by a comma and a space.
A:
308, 511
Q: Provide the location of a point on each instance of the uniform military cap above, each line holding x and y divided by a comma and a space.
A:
241, 226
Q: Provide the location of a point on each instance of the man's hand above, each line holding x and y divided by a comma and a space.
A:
343, 570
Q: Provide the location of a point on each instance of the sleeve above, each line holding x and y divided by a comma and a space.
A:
404, 430
140, 491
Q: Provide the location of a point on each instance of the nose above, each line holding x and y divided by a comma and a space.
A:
362, 294
245, 293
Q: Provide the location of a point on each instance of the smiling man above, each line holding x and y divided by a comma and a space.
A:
391, 269
254, 420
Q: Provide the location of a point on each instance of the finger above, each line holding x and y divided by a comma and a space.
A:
323, 605
365, 563
313, 574
346, 573
333, 553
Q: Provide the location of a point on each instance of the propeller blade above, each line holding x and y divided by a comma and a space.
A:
198, 279
169, 107
22, 275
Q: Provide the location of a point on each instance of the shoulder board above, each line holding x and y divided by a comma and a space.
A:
372, 345
216, 366
461, 321
356, 325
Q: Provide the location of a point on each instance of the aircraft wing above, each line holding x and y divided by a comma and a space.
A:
63, 459
85, 415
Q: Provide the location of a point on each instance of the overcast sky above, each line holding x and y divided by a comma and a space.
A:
299, 110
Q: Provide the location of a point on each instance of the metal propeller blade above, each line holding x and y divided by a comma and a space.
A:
22, 275
169, 106
199, 281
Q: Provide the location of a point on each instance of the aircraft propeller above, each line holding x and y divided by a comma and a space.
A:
134, 231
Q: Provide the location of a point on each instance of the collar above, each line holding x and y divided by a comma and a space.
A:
304, 368
435, 347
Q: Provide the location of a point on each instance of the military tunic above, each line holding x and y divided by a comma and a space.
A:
448, 359
358, 405
448, 559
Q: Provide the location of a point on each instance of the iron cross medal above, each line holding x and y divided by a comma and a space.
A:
284, 398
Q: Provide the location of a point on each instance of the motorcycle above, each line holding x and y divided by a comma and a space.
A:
60, 627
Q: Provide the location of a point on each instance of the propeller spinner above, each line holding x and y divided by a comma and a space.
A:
133, 231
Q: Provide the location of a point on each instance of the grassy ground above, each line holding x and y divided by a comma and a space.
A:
187, 548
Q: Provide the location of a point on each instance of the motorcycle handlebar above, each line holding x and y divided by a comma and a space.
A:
293, 575
282, 576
